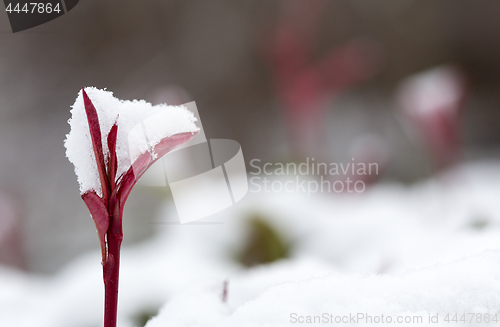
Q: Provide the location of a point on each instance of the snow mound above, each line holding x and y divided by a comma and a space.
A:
168, 120
469, 285
436, 89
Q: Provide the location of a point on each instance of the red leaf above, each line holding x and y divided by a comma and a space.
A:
112, 164
95, 134
100, 216
144, 161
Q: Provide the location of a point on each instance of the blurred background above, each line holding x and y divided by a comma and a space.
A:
286, 79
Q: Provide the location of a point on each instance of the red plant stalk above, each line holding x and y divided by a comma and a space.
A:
107, 210
304, 84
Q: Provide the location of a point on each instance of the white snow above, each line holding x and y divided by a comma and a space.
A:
430, 248
470, 285
439, 88
168, 120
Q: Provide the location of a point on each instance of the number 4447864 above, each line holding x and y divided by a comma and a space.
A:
34, 7
471, 318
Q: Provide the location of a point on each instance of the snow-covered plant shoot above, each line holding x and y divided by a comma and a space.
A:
109, 159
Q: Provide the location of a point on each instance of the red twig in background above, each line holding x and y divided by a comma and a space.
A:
303, 84
432, 102
225, 286
12, 250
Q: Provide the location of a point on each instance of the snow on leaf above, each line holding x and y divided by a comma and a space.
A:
126, 115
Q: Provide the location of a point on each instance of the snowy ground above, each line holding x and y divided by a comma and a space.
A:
424, 250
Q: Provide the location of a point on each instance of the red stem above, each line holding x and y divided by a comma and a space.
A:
111, 268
